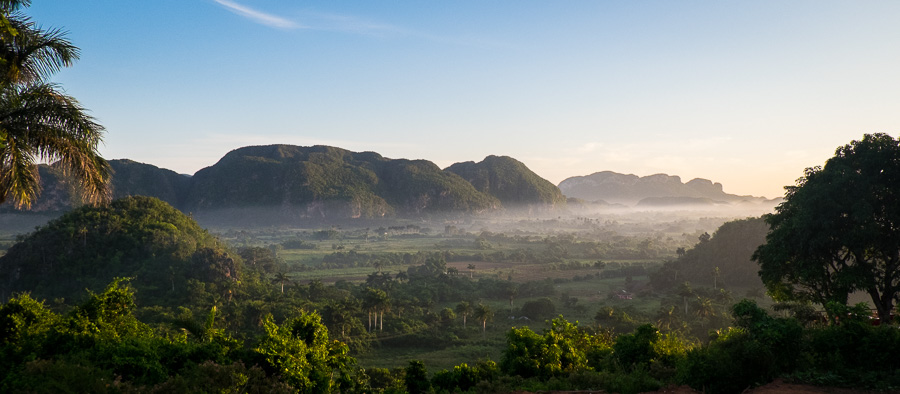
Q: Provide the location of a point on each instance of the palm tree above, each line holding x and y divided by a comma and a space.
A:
471, 268
281, 277
378, 265
340, 313
376, 301
705, 307
667, 318
464, 308
37, 121
685, 291
716, 274
483, 313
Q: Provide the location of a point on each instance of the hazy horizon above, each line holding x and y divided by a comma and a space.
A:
744, 94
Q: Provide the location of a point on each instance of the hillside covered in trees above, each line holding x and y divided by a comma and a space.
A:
283, 182
323, 181
720, 259
139, 237
509, 181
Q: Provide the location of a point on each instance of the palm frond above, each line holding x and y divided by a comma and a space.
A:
33, 54
8, 6
19, 178
44, 124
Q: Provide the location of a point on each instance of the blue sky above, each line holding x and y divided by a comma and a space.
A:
746, 93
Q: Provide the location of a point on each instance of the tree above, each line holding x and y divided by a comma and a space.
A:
281, 277
37, 121
563, 348
705, 237
539, 309
375, 301
464, 308
417, 378
685, 291
483, 313
302, 353
340, 314
716, 272
838, 229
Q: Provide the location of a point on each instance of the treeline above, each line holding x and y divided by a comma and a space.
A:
101, 347
552, 257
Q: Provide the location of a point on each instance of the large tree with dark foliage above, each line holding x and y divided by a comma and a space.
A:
838, 229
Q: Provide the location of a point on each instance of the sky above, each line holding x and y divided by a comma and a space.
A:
745, 93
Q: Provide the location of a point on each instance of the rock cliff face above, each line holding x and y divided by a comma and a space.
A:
510, 181
658, 189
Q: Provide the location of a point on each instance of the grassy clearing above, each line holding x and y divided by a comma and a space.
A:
435, 360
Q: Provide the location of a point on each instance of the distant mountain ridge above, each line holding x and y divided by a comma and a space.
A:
286, 182
651, 190
510, 181
323, 181
283, 183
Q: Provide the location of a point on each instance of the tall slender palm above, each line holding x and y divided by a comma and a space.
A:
281, 277
376, 301
38, 122
483, 313
464, 308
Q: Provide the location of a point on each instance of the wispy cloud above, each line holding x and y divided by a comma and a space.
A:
349, 23
259, 16
323, 21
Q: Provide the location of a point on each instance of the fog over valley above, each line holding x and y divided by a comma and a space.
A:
248, 196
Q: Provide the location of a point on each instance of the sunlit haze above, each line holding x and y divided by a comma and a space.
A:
743, 93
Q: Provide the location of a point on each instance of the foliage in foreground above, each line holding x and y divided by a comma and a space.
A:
100, 346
